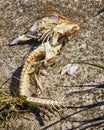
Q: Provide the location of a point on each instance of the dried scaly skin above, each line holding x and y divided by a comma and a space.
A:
48, 30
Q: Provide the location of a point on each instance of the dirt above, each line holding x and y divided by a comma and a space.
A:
86, 103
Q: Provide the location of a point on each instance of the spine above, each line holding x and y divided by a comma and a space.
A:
24, 89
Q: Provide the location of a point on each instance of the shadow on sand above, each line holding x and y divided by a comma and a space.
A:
98, 121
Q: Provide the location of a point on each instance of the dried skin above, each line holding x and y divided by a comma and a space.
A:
48, 30
49, 27
24, 90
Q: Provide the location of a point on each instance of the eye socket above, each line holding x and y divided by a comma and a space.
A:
54, 18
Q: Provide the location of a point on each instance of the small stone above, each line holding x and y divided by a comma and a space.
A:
20, 10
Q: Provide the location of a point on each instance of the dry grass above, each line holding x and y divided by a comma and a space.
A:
9, 103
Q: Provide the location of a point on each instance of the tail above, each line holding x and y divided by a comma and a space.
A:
46, 102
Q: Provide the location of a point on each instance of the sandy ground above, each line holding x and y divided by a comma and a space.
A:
86, 104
